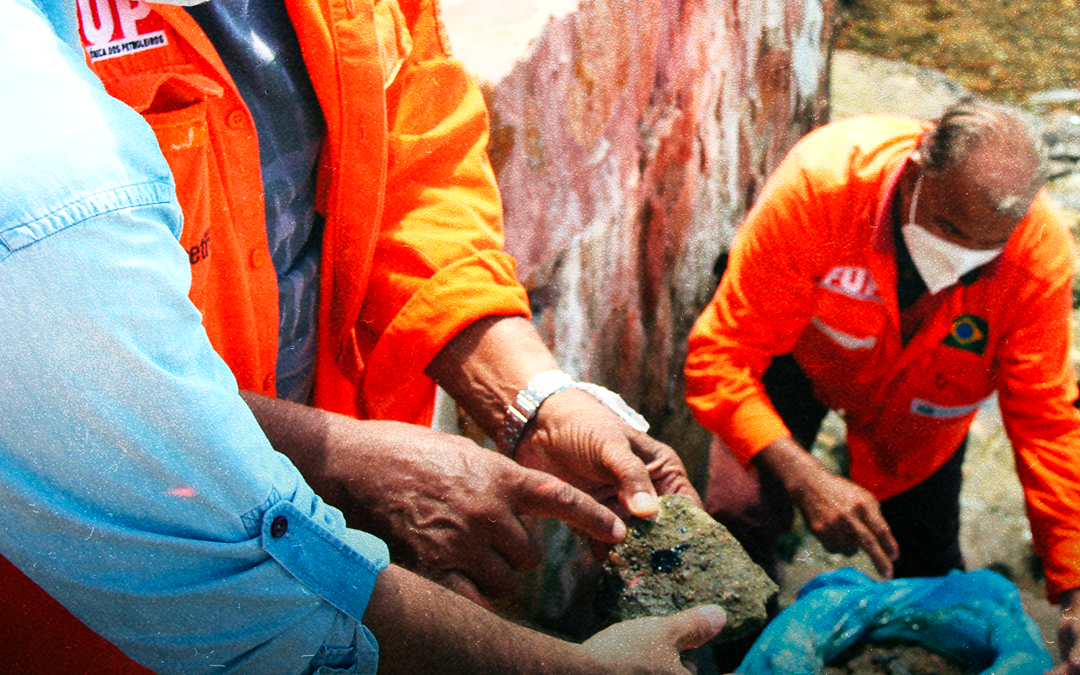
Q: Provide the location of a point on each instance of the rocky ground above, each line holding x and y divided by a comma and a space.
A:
1007, 50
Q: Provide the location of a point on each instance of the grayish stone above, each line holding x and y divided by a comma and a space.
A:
681, 559
860, 84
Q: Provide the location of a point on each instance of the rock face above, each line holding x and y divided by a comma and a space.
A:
629, 138
860, 83
681, 559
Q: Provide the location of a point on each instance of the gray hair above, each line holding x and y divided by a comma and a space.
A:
971, 121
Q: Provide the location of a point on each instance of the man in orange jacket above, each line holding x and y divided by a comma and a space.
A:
343, 230
901, 273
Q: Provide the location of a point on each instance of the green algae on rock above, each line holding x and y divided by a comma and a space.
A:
681, 559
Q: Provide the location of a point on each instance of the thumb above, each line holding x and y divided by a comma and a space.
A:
634, 484
698, 625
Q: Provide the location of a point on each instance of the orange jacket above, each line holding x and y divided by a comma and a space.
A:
812, 272
412, 243
413, 235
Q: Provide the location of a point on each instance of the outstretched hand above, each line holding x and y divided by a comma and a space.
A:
846, 518
579, 439
657, 641
422, 628
447, 508
452, 510
842, 515
573, 436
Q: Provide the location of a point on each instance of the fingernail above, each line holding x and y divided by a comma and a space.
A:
618, 530
643, 504
715, 615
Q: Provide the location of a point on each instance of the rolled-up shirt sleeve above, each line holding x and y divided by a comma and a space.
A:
135, 485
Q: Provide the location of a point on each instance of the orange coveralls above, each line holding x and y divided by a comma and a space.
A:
812, 273
412, 243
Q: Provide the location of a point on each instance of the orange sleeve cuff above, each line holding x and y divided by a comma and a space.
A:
753, 426
484, 284
1062, 567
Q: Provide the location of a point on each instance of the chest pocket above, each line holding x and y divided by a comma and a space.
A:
175, 105
963, 367
392, 34
183, 136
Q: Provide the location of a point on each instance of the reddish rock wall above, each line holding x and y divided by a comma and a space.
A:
629, 137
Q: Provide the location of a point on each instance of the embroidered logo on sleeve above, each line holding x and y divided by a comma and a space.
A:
854, 282
969, 333
119, 27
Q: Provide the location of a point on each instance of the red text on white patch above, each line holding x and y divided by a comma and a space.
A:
117, 27
854, 282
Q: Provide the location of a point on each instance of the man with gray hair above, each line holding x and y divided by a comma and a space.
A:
900, 272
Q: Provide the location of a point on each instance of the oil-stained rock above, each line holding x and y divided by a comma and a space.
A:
681, 559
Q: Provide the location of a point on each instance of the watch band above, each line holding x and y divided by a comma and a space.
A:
616, 404
527, 403
523, 408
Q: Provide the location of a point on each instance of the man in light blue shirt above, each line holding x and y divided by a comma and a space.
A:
135, 485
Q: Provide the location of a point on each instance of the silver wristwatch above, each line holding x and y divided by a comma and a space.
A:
525, 405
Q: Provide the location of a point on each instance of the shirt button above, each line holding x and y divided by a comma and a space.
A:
237, 119
279, 527
259, 258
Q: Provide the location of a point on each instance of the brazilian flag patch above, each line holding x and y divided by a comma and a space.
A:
969, 333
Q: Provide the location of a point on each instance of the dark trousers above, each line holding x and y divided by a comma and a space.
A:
925, 520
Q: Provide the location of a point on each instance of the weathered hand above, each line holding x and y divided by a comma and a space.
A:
656, 642
422, 628
846, 517
581, 440
1069, 634
450, 509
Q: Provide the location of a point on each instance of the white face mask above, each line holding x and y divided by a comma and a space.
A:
181, 3
940, 262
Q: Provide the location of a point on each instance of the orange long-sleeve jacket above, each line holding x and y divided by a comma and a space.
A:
412, 245
812, 272
412, 242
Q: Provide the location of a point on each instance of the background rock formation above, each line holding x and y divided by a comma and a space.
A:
629, 136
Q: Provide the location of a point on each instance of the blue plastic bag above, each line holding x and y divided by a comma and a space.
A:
974, 618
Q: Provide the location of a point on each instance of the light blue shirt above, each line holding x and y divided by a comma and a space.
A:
135, 485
